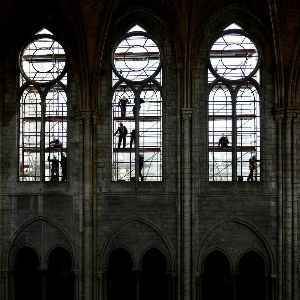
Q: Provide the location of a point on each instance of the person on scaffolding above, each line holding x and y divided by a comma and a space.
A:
123, 103
122, 130
252, 168
54, 168
64, 166
132, 137
55, 143
141, 165
223, 141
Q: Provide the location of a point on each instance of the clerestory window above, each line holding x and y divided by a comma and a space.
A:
137, 108
234, 107
42, 110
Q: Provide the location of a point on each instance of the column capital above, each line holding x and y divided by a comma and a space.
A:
293, 114
87, 115
289, 114
278, 114
186, 113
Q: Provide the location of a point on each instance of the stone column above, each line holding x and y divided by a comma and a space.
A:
137, 276
198, 286
76, 284
295, 183
186, 202
279, 287
171, 285
43, 272
88, 130
289, 216
100, 286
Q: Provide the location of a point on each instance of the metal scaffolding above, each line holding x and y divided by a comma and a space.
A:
233, 106
137, 104
42, 115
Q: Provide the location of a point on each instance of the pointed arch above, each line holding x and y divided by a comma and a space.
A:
237, 225
13, 246
161, 243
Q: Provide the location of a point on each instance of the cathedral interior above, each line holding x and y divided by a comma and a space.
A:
149, 149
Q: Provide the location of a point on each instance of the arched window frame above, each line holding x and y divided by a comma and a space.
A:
236, 157
46, 119
147, 140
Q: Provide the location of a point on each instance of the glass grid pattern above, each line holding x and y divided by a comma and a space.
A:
137, 104
234, 108
43, 116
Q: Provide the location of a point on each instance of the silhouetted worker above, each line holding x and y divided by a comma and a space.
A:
64, 166
122, 103
55, 143
134, 107
122, 130
132, 138
223, 141
141, 165
252, 167
54, 168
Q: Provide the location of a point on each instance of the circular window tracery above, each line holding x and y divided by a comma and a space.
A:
233, 56
42, 60
136, 58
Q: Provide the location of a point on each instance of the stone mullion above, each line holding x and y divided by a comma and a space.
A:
186, 203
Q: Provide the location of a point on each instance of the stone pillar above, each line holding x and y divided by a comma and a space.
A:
288, 207
279, 287
198, 286
43, 273
9, 284
88, 130
172, 285
137, 276
76, 284
100, 286
294, 194
234, 277
186, 203
104, 285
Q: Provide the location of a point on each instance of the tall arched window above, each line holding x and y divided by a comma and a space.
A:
234, 107
42, 110
137, 108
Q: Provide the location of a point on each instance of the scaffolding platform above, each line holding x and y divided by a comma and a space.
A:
147, 149
230, 149
141, 118
47, 149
